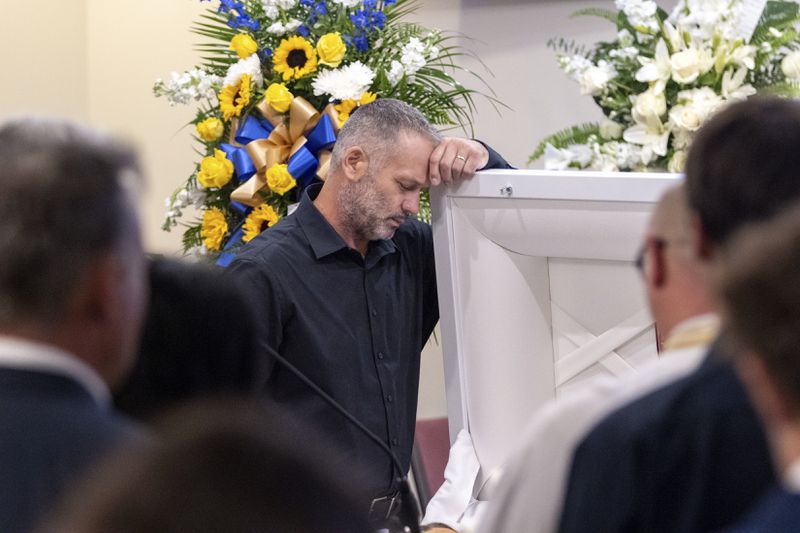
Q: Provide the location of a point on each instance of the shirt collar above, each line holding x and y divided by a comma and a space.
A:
696, 331
791, 477
22, 354
323, 238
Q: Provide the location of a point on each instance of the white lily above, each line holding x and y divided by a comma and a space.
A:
652, 136
744, 55
733, 86
674, 37
557, 158
656, 70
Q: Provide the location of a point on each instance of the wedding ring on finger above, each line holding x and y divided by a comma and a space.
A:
461, 157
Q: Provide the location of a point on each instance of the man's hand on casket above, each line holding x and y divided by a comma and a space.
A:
456, 159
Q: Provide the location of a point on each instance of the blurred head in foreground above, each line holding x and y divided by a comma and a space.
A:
229, 466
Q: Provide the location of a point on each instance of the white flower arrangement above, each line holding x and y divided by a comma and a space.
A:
665, 74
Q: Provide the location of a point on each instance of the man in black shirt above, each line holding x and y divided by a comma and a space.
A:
345, 286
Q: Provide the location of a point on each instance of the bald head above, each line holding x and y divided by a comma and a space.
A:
677, 288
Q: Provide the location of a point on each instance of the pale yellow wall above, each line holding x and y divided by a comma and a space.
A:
130, 44
43, 43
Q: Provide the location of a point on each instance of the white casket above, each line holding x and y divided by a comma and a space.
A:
537, 292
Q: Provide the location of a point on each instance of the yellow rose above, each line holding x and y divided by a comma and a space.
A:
243, 45
215, 171
331, 49
279, 97
214, 228
210, 129
279, 180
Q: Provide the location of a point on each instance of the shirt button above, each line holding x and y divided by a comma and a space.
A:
380, 355
374, 312
389, 398
394, 441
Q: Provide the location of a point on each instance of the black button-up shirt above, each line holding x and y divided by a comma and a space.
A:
354, 325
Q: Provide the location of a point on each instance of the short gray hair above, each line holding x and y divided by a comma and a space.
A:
376, 126
62, 203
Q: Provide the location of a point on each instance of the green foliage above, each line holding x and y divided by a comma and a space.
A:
607, 14
579, 134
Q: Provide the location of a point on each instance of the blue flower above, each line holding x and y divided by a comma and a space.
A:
225, 6
360, 19
306, 3
378, 19
361, 43
303, 30
265, 54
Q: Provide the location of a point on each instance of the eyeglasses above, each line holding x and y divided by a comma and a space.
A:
639, 260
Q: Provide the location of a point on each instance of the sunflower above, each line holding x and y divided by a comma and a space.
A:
258, 220
214, 228
294, 58
346, 107
233, 98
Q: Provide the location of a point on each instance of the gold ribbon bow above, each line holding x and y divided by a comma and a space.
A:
286, 139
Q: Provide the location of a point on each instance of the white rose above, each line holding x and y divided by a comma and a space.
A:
610, 130
791, 65
678, 162
685, 117
688, 65
649, 104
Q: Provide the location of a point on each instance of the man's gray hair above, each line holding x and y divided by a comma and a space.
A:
375, 127
62, 203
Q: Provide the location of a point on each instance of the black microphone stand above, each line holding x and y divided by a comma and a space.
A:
409, 510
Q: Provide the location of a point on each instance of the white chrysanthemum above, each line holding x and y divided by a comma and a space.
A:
251, 65
347, 3
345, 83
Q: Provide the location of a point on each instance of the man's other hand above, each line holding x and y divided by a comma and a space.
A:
456, 159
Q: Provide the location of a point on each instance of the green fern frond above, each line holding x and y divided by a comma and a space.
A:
607, 14
778, 14
566, 47
192, 237
575, 135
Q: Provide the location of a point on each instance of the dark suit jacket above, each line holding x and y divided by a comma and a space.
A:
51, 430
688, 457
778, 512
